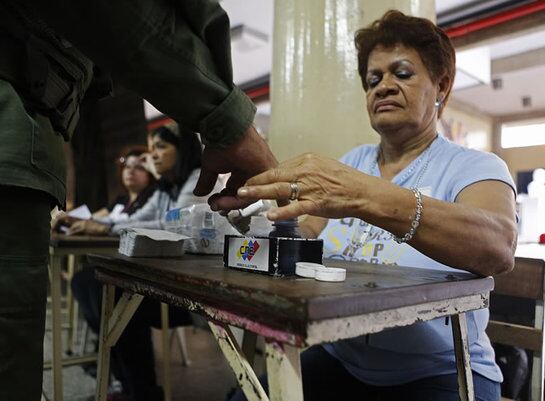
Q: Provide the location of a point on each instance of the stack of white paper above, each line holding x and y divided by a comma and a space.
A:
142, 242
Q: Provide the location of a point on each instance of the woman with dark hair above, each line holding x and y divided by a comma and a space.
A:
413, 200
188, 155
177, 159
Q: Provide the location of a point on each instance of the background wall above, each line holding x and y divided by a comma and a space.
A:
519, 159
106, 128
466, 127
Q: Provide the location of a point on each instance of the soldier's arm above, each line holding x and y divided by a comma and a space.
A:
176, 54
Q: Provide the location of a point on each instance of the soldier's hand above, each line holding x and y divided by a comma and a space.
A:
244, 159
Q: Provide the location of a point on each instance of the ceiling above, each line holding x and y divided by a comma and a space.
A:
442, 6
519, 62
252, 56
520, 65
508, 100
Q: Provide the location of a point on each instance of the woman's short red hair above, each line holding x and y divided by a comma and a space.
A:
430, 41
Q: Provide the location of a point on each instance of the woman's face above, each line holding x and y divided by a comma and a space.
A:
400, 94
134, 176
163, 154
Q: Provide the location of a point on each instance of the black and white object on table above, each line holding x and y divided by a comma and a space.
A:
320, 272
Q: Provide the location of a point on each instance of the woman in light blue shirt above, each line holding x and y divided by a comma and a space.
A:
414, 200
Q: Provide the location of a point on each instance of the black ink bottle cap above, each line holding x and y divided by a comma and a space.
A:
285, 229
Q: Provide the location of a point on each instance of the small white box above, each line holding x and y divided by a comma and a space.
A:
141, 242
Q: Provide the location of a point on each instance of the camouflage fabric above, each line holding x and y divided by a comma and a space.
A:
174, 54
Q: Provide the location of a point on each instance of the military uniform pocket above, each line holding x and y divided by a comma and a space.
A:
47, 149
32, 153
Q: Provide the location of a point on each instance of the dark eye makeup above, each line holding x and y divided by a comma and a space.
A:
400, 69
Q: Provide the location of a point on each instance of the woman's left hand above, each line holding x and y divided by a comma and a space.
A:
327, 188
88, 227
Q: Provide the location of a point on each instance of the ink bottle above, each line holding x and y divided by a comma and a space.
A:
285, 229
288, 251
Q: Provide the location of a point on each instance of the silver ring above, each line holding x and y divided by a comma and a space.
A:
294, 190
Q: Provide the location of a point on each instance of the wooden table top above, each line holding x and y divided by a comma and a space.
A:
368, 287
82, 241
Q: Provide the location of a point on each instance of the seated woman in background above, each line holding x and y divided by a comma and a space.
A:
417, 200
177, 159
138, 184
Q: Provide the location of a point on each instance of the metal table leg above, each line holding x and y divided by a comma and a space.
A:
284, 372
461, 349
244, 373
71, 304
165, 336
113, 322
103, 363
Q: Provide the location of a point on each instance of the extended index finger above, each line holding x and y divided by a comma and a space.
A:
274, 191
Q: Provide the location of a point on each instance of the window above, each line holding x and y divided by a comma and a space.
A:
519, 134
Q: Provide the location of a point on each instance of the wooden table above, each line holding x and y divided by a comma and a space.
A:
61, 246
291, 313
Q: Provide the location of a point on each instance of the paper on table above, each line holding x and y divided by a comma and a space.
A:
81, 212
144, 242
159, 235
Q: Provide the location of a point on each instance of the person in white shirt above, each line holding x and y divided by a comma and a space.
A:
177, 159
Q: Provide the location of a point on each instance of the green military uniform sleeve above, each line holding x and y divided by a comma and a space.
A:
176, 54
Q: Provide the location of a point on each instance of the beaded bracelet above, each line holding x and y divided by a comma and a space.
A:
416, 221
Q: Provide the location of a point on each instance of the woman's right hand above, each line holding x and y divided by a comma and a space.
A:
327, 187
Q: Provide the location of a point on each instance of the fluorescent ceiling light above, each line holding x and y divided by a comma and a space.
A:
473, 67
464, 80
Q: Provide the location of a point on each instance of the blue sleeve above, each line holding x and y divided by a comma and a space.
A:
474, 166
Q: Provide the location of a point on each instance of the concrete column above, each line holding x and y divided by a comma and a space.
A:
317, 100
